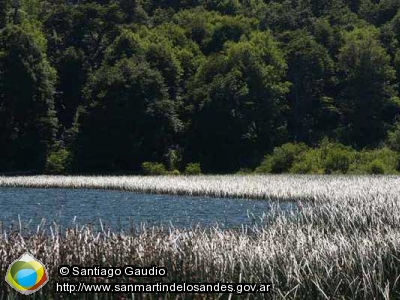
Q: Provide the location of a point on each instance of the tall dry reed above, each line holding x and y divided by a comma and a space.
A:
342, 243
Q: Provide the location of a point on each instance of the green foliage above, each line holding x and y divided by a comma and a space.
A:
28, 120
219, 82
310, 70
329, 158
174, 159
337, 161
58, 162
394, 138
282, 158
193, 169
367, 98
308, 162
376, 167
4, 13
366, 160
153, 168
239, 95
211, 30
130, 106
175, 172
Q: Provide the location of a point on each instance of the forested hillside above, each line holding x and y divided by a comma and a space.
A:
103, 86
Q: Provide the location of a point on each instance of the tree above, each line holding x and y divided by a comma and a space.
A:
367, 97
128, 119
88, 27
78, 36
378, 12
211, 30
219, 82
167, 49
27, 117
310, 70
4, 10
287, 15
228, 7
239, 100
133, 11
228, 29
71, 79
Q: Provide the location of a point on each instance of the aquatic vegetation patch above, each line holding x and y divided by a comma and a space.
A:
343, 241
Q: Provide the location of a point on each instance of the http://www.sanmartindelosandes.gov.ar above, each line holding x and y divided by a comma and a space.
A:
27, 275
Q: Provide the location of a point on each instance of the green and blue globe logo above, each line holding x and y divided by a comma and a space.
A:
27, 275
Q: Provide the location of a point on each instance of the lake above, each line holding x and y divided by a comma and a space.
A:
119, 210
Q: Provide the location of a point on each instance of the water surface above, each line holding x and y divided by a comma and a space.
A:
119, 210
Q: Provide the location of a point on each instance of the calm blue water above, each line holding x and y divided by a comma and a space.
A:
119, 210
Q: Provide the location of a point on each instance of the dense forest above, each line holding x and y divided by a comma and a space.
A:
104, 86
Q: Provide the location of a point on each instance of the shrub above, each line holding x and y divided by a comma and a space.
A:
385, 157
58, 162
175, 172
338, 161
173, 159
193, 169
282, 158
328, 158
308, 163
335, 157
376, 167
153, 168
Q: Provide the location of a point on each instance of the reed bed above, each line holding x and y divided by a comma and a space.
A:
342, 243
271, 187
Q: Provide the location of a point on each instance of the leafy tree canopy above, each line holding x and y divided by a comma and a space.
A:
105, 85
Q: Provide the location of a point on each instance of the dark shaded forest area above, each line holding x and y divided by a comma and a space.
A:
103, 86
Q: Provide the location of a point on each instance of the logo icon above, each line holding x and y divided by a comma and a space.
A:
26, 275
